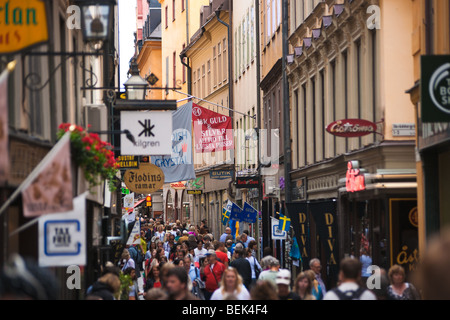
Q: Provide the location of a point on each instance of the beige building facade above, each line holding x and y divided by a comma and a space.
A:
351, 60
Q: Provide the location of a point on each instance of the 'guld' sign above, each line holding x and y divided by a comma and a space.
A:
147, 179
23, 23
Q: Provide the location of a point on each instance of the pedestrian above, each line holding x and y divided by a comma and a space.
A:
153, 278
170, 243
224, 235
163, 271
254, 264
199, 252
192, 242
283, 282
249, 238
253, 247
211, 273
127, 261
133, 293
271, 273
242, 265
316, 290
349, 279
400, 289
159, 234
107, 286
230, 245
184, 237
303, 287
221, 252
264, 290
203, 227
177, 285
197, 285
366, 262
156, 294
231, 285
316, 266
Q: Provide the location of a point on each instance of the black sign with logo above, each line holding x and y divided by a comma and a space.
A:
247, 182
435, 88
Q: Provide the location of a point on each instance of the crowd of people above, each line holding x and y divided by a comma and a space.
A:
186, 262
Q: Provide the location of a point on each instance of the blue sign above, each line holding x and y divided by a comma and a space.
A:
250, 214
221, 174
236, 212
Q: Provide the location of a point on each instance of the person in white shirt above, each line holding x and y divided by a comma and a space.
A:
199, 252
231, 287
349, 289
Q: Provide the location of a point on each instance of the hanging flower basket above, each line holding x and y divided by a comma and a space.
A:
92, 155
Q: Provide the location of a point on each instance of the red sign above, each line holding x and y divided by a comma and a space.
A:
351, 128
355, 180
212, 130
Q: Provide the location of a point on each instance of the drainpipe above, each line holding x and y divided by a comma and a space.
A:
230, 82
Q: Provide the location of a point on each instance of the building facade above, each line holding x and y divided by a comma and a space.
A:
342, 67
44, 91
431, 37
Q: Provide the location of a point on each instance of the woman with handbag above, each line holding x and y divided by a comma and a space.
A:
254, 264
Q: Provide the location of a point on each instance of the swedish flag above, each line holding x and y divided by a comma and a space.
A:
285, 223
225, 216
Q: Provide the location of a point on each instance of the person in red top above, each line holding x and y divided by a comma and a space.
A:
211, 272
221, 252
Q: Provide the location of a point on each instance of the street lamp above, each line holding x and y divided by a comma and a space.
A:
96, 19
136, 86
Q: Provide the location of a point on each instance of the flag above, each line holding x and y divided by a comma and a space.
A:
225, 216
236, 212
212, 130
250, 214
48, 188
285, 223
135, 235
4, 150
179, 165
295, 251
234, 225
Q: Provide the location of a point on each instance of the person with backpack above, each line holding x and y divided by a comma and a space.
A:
211, 273
349, 288
138, 258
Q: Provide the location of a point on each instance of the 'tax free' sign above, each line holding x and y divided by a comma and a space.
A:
152, 131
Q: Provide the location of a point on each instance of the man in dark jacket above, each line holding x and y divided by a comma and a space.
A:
242, 265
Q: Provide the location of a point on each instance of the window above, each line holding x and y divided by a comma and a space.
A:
214, 67
240, 49
268, 24
167, 74
173, 10
209, 76
247, 35
252, 33
274, 17
195, 83
204, 81
166, 16
279, 12
236, 72
174, 69
182, 5
225, 60
219, 62
184, 67
198, 83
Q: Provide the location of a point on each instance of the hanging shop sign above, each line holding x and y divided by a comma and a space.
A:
128, 162
195, 192
355, 180
351, 128
147, 179
435, 88
181, 185
247, 182
23, 23
152, 132
221, 174
298, 212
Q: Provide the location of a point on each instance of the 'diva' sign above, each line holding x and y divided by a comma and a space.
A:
23, 23
351, 128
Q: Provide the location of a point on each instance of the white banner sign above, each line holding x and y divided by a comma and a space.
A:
62, 237
151, 130
277, 234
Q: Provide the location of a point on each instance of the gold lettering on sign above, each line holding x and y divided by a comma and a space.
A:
302, 220
329, 219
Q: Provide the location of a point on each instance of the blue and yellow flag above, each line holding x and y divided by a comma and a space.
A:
225, 216
285, 223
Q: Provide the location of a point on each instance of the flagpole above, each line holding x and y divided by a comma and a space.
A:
190, 96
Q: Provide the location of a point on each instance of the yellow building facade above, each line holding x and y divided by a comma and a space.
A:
430, 36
